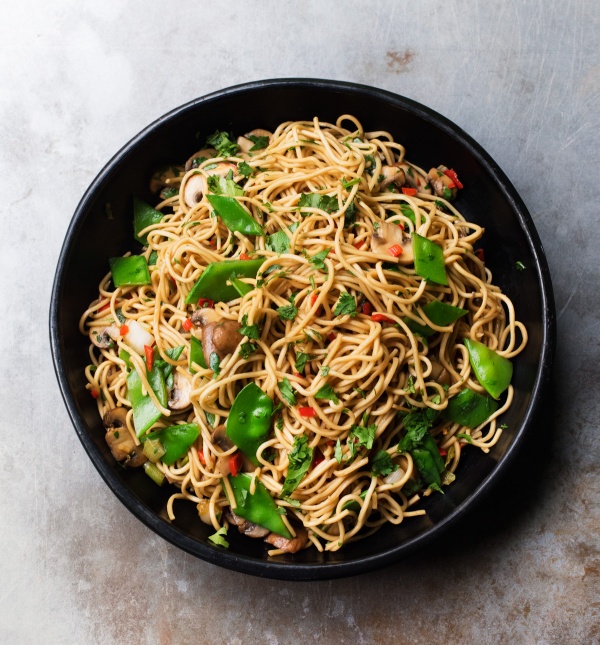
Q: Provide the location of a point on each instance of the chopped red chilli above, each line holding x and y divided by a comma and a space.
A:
381, 318
409, 191
307, 412
395, 250
454, 177
149, 357
187, 324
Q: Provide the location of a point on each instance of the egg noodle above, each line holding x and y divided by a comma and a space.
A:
349, 332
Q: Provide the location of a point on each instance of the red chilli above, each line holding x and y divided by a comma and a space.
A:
206, 302
381, 318
124, 330
235, 463
149, 357
367, 308
317, 457
187, 324
454, 177
95, 394
395, 250
307, 412
480, 255
244, 256
201, 457
409, 191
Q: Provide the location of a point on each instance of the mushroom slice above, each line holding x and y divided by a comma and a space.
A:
120, 441
245, 144
204, 316
392, 175
441, 183
289, 546
389, 234
195, 160
220, 338
195, 187
245, 527
179, 394
414, 179
219, 438
203, 507
106, 337
440, 374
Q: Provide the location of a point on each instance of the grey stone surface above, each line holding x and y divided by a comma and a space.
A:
77, 80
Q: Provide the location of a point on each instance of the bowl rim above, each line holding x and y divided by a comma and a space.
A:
293, 570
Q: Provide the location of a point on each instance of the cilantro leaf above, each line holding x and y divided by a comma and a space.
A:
288, 312
361, 437
345, 305
245, 169
280, 242
247, 349
349, 183
224, 186
466, 437
362, 393
520, 266
338, 452
382, 464
327, 203
259, 142
301, 360
287, 392
251, 331
325, 370
327, 392
417, 424
219, 537
317, 260
215, 363
299, 462
210, 419
167, 193
407, 211
222, 143
350, 216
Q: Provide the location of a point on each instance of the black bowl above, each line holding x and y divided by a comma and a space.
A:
102, 227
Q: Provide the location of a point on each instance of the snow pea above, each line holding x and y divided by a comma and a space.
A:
145, 413
426, 466
132, 270
430, 445
249, 420
213, 281
441, 313
429, 259
468, 408
143, 216
196, 354
176, 440
234, 215
493, 371
258, 508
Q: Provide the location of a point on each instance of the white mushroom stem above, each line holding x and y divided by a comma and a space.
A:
389, 234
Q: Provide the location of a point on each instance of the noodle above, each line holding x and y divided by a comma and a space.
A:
373, 370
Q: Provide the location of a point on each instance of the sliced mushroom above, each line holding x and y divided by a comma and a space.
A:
194, 160
219, 438
389, 234
120, 441
414, 179
440, 374
195, 187
392, 174
245, 527
203, 507
289, 546
179, 394
106, 337
221, 338
441, 182
203, 316
245, 144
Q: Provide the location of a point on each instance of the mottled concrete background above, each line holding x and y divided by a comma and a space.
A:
77, 80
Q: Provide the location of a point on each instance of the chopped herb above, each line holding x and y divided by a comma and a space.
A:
269, 207
325, 370
251, 331
281, 511
409, 172
309, 333
287, 392
350, 216
370, 164
222, 143
167, 193
407, 211
447, 193
280, 242
247, 349
196, 161
299, 459
245, 169
327, 203
288, 312
276, 409
417, 424
349, 183
224, 186
411, 384
279, 423
153, 259
361, 392
292, 502
361, 437
338, 452
382, 464
301, 360
520, 266
345, 305
259, 142
466, 437
210, 419
327, 392
218, 538
504, 426
312, 283
215, 363
317, 260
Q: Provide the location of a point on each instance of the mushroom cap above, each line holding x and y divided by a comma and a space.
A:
106, 337
289, 546
440, 374
194, 190
245, 144
179, 394
203, 316
389, 234
439, 181
115, 418
219, 438
392, 174
205, 152
221, 338
245, 527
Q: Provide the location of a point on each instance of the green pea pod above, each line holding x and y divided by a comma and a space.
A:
417, 328
145, 413
249, 420
426, 466
493, 371
442, 314
431, 447
258, 508
143, 216
176, 440
468, 408
129, 271
429, 259
213, 281
234, 215
241, 287
196, 354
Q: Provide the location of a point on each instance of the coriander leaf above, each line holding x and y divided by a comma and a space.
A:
210, 419
370, 164
362, 437
327, 392
327, 203
215, 363
222, 143
301, 360
349, 183
311, 334
411, 384
361, 392
251, 331
407, 211
325, 370
280, 242
317, 260
247, 349
299, 459
153, 259
382, 464
345, 305
288, 312
417, 424
287, 392
311, 279
224, 186
245, 169
167, 193
338, 452
350, 216
219, 537
279, 423
259, 142
466, 437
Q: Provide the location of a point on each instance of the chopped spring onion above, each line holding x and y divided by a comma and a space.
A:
153, 449
154, 473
